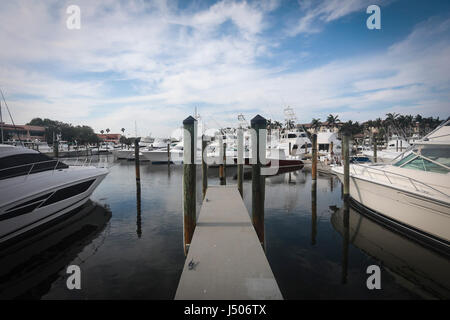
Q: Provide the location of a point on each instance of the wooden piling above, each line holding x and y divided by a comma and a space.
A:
204, 168
138, 210
168, 154
223, 177
346, 159
396, 145
220, 159
314, 157
56, 148
240, 161
290, 150
136, 161
258, 182
401, 145
189, 180
375, 146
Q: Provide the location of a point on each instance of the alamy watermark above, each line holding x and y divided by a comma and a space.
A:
374, 280
374, 20
74, 280
73, 22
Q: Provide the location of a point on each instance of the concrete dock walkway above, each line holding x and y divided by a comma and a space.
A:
225, 258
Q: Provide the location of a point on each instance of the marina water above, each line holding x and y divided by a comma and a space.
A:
131, 247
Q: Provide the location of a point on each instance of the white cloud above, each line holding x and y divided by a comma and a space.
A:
316, 13
184, 58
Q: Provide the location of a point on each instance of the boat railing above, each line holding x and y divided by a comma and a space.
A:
33, 165
412, 181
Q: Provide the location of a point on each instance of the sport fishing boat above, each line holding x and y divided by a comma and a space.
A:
161, 155
413, 192
35, 189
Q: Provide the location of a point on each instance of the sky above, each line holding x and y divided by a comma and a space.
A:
146, 65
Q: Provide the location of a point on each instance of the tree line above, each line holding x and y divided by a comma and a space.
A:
79, 135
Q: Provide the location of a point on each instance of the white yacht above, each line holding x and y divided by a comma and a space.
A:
294, 142
146, 142
160, 155
35, 189
412, 193
125, 153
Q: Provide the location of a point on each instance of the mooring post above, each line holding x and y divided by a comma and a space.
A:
258, 124
240, 161
314, 157
136, 161
223, 178
345, 154
168, 153
401, 145
138, 210
56, 149
220, 160
204, 167
189, 182
290, 150
396, 145
375, 150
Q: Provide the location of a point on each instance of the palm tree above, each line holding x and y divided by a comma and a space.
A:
102, 131
332, 120
315, 123
107, 130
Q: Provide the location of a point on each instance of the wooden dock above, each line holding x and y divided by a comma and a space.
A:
225, 258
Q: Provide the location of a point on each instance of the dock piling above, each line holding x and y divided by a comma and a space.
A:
136, 161
375, 150
204, 168
240, 161
258, 182
189, 176
168, 154
223, 177
345, 155
314, 157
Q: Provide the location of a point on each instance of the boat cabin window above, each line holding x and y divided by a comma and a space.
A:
292, 135
25, 163
427, 158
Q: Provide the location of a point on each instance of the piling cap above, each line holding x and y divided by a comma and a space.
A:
258, 120
189, 120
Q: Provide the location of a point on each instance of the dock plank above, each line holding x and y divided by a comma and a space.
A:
229, 262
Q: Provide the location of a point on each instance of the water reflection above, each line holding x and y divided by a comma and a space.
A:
420, 269
313, 212
29, 266
138, 210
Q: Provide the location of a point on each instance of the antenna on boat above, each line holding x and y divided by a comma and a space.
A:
243, 123
289, 117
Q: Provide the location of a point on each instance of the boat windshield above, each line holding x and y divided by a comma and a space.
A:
28, 163
427, 158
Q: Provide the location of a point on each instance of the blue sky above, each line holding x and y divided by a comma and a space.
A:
152, 62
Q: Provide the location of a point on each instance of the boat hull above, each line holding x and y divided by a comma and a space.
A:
427, 216
49, 195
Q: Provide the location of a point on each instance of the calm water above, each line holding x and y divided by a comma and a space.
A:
131, 249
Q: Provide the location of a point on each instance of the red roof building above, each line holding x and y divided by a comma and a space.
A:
110, 137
